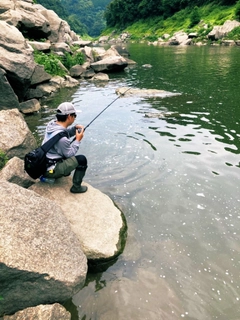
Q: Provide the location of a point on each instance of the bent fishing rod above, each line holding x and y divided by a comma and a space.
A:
121, 94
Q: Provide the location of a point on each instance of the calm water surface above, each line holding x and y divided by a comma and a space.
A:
172, 165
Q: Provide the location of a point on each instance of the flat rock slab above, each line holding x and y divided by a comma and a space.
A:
126, 92
41, 260
98, 223
42, 312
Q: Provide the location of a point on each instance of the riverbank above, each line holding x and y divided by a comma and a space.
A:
48, 245
153, 29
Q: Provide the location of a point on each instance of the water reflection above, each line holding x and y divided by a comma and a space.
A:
176, 263
172, 166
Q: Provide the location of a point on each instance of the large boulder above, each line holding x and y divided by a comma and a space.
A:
16, 59
39, 75
124, 91
16, 138
60, 29
8, 98
179, 38
24, 19
77, 70
41, 260
30, 106
25, 16
14, 172
6, 5
219, 32
100, 77
40, 46
111, 61
88, 53
42, 312
98, 223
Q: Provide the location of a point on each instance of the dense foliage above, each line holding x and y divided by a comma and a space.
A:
121, 13
91, 17
85, 17
52, 62
237, 11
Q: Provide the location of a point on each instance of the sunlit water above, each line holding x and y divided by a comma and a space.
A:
176, 178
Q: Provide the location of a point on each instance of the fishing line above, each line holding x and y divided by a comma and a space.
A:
121, 94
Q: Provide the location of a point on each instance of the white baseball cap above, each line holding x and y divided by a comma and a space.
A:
66, 108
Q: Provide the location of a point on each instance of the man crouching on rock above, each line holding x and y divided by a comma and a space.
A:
61, 158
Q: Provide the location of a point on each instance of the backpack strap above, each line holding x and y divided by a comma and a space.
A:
51, 142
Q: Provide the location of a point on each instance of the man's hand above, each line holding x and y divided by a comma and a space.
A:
79, 132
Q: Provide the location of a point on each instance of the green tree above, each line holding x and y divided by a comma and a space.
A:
237, 11
194, 17
149, 8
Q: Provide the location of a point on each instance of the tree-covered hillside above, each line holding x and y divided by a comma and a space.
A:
121, 13
83, 16
142, 18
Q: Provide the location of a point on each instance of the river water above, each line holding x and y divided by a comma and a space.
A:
172, 166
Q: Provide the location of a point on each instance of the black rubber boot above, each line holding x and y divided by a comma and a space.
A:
77, 180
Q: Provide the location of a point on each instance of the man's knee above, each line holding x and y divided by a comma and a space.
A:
82, 160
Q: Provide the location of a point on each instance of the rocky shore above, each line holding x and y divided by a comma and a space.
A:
26, 26
24, 84
217, 36
49, 237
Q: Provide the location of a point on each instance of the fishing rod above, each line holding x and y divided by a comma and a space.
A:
121, 94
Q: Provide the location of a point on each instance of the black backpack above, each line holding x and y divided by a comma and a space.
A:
35, 162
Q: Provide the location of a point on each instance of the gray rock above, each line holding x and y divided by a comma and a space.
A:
228, 43
166, 36
219, 32
82, 43
88, 53
130, 62
8, 99
16, 59
40, 46
98, 53
124, 91
192, 35
42, 312
39, 75
16, 138
89, 73
70, 82
76, 71
32, 22
51, 87
162, 115
41, 260
17, 54
14, 172
173, 42
100, 77
180, 37
60, 47
6, 5
110, 61
94, 218
103, 39
60, 30
122, 50
30, 106
111, 64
